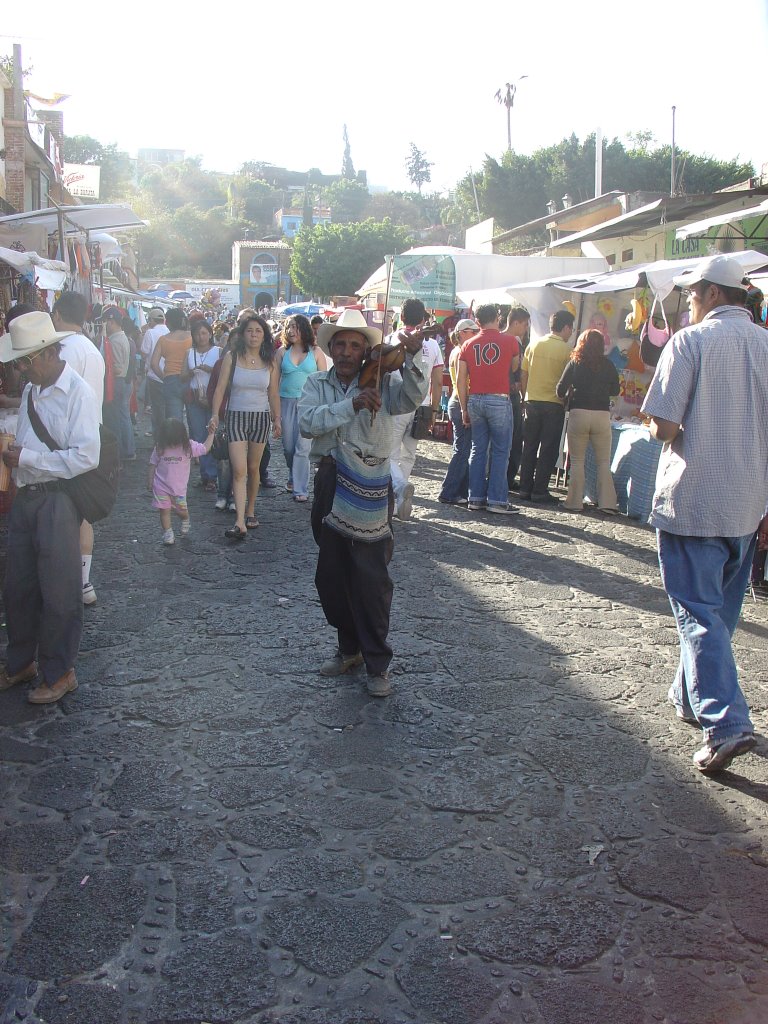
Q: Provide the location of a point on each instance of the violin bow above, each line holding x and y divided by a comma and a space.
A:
390, 260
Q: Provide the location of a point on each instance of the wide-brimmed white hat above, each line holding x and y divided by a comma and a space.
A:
28, 334
349, 320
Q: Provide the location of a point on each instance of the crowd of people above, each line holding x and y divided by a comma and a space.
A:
357, 404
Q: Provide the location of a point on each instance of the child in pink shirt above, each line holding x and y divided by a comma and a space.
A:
169, 474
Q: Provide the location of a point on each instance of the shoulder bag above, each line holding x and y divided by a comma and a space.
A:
95, 491
220, 446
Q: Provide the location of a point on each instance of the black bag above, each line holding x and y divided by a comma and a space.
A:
220, 446
94, 492
422, 423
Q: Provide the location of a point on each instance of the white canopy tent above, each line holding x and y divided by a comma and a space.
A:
48, 274
78, 219
701, 227
478, 271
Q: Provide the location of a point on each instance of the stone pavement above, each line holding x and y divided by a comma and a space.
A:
207, 830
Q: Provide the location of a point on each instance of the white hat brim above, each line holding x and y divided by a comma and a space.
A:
8, 353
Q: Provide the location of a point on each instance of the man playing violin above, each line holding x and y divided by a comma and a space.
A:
351, 429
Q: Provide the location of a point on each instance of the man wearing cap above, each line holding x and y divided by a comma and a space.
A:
708, 401
351, 431
154, 332
68, 315
43, 585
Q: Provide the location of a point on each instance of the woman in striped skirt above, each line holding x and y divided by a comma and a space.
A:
254, 406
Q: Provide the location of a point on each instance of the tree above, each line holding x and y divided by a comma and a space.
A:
347, 200
347, 167
335, 259
418, 168
116, 166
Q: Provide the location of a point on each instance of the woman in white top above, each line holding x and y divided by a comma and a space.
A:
254, 402
201, 359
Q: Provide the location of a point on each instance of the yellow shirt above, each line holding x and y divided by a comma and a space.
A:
544, 362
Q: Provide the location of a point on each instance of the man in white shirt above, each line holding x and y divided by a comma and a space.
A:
155, 331
43, 591
413, 315
79, 352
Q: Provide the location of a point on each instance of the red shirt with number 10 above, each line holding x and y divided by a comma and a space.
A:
489, 356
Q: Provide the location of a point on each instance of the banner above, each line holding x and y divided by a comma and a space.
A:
429, 278
82, 180
264, 274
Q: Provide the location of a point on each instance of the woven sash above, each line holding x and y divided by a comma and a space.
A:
361, 501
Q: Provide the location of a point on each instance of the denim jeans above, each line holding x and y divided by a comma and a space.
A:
157, 402
117, 416
197, 418
491, 420
295, 447
173, 391
224, 480
705, 579
457, 474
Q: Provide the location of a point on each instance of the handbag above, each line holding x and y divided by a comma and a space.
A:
653, 338
197, 391
220, 446
93, 493
422, 422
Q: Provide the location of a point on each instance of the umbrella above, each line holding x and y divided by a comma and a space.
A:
180, 295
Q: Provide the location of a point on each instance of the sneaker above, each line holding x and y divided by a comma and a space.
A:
405, 505
186, 526
232, 506
717, 757
503, 510
378, 686
168, 537
89, 594
545, 499
340, 663
475, 506
221, 504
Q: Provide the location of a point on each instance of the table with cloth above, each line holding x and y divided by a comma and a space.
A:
634, 461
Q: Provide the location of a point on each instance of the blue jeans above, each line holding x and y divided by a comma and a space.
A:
197, 419
117, 416
295, 447
224, 480
491, 420
457, 474
173, 400
705, 579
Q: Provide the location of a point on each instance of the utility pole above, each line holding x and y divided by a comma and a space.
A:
673, 175
507, 99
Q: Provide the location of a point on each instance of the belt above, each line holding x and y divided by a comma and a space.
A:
489, 394
33, 489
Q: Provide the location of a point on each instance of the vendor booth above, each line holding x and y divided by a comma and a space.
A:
636, 310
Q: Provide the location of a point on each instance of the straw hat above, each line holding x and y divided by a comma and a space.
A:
350, 320
28, 334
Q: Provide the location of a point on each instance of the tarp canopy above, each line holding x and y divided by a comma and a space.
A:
477, 271
46, 274
78, 219
701, 227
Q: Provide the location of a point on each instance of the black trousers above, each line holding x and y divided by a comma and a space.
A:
352, 581
43, 590
541, 445
516, 451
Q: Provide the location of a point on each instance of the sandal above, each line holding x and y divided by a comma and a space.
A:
251, 522
299, 497
289, 487
235, 533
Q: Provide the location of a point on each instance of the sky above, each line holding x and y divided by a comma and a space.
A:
268, 82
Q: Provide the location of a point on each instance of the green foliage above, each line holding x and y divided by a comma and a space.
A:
418, 167
176, 185
116, 165
516, 189
335, 259
347, 200
189, 242
6, 65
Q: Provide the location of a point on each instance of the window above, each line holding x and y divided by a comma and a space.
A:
611, 260
627, 254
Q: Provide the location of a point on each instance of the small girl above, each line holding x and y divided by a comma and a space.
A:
169, 474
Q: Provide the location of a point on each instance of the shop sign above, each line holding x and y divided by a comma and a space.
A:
82, 180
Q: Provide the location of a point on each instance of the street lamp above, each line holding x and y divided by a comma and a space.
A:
507, 99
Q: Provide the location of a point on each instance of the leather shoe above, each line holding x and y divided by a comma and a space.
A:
49, 694
25, 676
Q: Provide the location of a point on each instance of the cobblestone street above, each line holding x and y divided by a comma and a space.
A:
209, 831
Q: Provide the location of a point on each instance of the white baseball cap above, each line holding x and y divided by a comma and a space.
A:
722, 270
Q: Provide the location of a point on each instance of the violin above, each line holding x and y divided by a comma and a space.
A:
389, 358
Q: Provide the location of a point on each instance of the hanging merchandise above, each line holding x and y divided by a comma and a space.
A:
638, 316
653, 338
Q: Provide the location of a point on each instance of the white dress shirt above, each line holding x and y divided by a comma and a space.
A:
85, 359
70, 412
